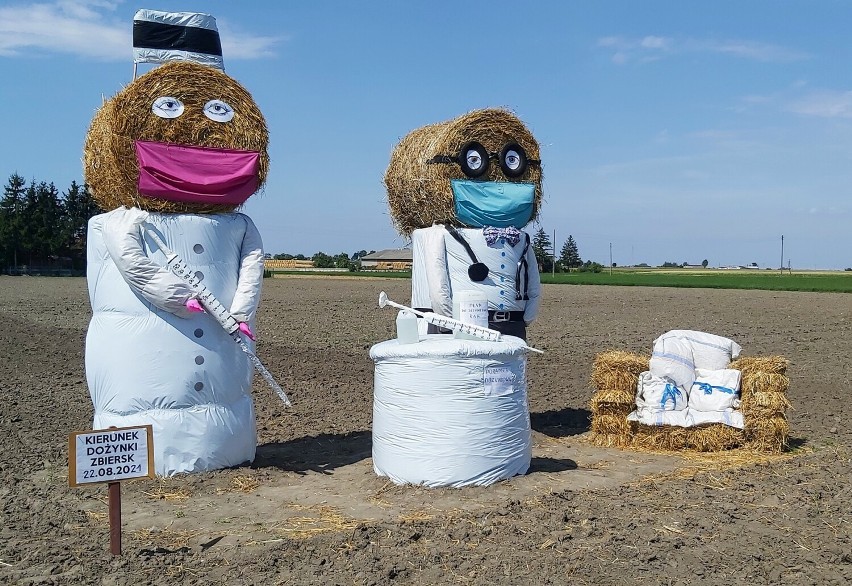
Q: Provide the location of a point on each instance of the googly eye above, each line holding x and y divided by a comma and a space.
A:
218, 111
513, 160
167, 107
473, 159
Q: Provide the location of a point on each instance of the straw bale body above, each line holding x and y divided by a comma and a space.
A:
109, 159
420, 194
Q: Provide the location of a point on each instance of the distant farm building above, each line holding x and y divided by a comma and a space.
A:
391, 259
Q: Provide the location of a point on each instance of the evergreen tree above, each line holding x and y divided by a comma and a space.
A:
569, 257
44, 222
542, 248
80, 206
12, 220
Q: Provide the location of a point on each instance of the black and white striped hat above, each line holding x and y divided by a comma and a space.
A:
183, 36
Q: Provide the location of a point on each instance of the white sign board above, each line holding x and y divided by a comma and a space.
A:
110, 455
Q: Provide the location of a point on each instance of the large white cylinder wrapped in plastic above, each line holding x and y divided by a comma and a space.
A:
450, 412
183, 375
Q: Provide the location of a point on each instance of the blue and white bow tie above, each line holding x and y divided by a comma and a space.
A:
510, 233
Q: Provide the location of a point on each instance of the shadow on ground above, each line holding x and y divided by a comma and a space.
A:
320, 453
562, 422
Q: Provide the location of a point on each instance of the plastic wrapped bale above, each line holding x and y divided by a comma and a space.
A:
450, 412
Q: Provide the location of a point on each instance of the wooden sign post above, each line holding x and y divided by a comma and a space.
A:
111, 455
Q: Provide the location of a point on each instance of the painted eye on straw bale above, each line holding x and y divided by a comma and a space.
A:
167, 107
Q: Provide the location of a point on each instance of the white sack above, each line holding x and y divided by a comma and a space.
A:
672, 359
729, 417
148, 361
655, 394
715, 390
709, 351
450, 412
652, 417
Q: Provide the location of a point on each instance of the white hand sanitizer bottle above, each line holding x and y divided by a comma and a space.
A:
406, 328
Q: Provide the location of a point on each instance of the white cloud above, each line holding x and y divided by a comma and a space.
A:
63, 27
652, 47
752, 50
651, 42
91, 29
825, 104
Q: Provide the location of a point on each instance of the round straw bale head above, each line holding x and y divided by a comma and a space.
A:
109, 158
420, 194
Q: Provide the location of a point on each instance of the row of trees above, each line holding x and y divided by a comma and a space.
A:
569, 257
41, 227
326, 261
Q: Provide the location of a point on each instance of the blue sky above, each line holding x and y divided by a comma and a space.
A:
673, 131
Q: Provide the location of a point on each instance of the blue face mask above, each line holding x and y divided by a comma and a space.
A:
493, 203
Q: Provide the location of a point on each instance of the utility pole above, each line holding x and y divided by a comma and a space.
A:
610, 258
782, 254
553, 249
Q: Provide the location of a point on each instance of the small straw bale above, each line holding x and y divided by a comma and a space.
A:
714, 437
109, 156
420, 194
613, 398
767, 434
609, 440
660, 438
618, 370
764, 404
753, 364
610, 423
763, 382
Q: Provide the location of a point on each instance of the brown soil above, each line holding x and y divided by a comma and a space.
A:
310, 510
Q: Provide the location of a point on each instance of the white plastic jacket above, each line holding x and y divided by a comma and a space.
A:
439, 267
148, 359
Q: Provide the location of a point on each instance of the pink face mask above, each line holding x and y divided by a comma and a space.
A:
191, 174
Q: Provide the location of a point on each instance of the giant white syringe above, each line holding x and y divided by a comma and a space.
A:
214, 307
449, 323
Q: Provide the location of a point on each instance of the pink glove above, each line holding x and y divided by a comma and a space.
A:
246, 330
194, 306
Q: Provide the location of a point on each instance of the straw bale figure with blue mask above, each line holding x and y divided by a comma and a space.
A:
463, 190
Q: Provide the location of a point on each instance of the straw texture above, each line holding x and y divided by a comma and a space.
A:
420, 194
109, 158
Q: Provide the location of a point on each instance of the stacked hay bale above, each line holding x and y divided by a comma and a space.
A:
615, 375
764, 401
764, 383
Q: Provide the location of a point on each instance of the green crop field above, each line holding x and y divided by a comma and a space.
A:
827, 281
